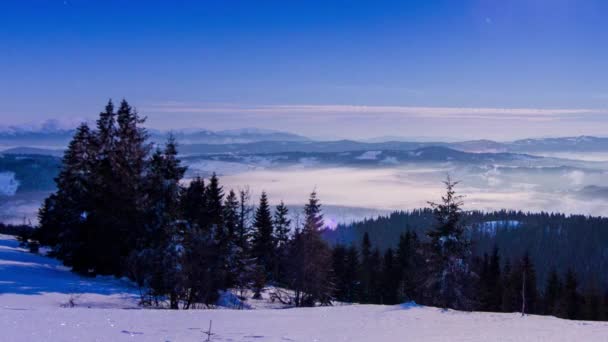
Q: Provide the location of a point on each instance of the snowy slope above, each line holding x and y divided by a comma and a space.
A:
33, 289
31, 281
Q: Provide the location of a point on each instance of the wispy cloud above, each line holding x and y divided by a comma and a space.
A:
536, 114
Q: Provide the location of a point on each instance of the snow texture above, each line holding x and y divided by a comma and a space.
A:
34, 291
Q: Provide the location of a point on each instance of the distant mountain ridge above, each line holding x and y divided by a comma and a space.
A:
255, 140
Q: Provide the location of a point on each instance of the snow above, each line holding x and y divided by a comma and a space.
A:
490, 227
8, 184
34, 288
369, 155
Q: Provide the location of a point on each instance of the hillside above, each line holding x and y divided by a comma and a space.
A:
34, 291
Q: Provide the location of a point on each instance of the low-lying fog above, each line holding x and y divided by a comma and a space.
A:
355, 192
554, 189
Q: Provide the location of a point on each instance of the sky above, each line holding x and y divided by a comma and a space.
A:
326, 69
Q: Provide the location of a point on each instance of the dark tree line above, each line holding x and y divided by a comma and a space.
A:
122, 208
553, 241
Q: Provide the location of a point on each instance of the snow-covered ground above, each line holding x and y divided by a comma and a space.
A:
34, 290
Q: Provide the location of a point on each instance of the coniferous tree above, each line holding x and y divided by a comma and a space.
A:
365, 272
529, 295
351, 275
339, 267
592, 308
64, 221
375, 280
490, 285
202, 265
161, 246
310, 271
511, 289
390, 279
552, 293
263, 243
410, 266
570, 301
282, 229
449, 276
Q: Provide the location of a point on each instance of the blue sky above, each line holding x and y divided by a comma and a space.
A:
454, 69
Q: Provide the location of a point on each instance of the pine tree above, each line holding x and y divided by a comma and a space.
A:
263, 244
375, 279
310, 271
511, 289
203, 268
552, 293
570, 301
214, 196
231, 214
390, 279
490, 286
130, 160
161, 246
339, 266
450, 249
410, 266
365, 272
351, 275
282, 228
63, 218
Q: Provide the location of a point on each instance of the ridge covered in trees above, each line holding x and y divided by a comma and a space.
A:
122, 207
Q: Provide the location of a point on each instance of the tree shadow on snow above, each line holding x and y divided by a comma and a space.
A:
27, 273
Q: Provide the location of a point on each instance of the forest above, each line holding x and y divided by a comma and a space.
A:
123, 208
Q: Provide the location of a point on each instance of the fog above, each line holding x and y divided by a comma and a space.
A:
355, 192
553, 189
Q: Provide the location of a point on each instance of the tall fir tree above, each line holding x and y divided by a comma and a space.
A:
365, 270
390, 278
552, 293
449, 279
64, 218
311, 272
263, 244
282, 237
570, 303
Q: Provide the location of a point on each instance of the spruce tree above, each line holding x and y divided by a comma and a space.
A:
390, 279
552, 293
64, 218
282, 228
410, 266
449, 276
310, 271
570, 301
162, 242
351, 275
365, 271
263, 244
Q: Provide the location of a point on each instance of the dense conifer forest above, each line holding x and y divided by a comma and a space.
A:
123, 208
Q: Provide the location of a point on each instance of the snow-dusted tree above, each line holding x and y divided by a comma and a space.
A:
448, 282
282, 236
163, 230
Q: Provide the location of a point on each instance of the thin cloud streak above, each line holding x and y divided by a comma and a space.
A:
537, 114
